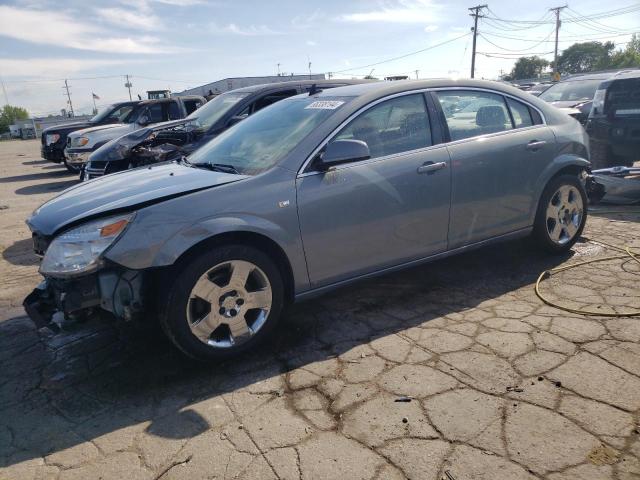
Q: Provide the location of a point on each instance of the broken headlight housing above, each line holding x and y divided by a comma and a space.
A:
80, 249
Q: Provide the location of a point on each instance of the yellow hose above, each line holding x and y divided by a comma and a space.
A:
548, 273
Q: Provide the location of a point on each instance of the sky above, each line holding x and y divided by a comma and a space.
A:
178, 44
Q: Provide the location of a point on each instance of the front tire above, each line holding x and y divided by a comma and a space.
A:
223, 302
561, 215
72, 168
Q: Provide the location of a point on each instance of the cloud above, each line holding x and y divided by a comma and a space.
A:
248, 31
311, 43
430, 28
44, 68
402, 11
303, 22
133, 19
61, 30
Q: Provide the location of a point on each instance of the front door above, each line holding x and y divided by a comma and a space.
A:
499, 148
377, 213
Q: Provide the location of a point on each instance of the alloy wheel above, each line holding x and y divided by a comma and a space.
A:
229, 304
564, 214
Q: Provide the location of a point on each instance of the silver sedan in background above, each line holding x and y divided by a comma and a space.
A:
311, 193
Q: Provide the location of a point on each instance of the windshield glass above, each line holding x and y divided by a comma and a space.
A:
214, 109
266, 137
113, 113
567, 91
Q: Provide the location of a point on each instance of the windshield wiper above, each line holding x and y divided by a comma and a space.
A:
185, 160
219, 167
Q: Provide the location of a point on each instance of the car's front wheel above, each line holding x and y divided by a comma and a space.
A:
223, 302
71, 168
561, 215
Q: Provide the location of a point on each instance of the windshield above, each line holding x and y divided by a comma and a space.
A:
113, 113
210, 113
266, 137
574, 90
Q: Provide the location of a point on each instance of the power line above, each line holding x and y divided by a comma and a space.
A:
401, 56
596, 16
518, 49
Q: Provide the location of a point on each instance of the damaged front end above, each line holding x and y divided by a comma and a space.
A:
619, 185
57, 303
159, 143
77, 277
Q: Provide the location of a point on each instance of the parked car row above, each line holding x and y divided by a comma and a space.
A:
315, 191
170, 140
72, 143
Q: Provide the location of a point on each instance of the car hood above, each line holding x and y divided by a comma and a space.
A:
570, 103
66, 127
123, 191
98, 128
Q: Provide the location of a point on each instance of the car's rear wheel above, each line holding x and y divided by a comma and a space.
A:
223, 302
561, 215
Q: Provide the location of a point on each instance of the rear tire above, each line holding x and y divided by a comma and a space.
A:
210, 313
561, 215
600, 155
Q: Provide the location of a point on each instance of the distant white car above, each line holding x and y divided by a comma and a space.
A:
81, 143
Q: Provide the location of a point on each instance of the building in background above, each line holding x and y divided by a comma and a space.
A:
33, 127
226, 84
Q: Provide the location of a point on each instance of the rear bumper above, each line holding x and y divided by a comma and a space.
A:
58, 301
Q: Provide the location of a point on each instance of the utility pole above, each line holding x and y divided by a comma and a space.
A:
66, 87
556, 74
417, 74
128, 84
4, 90
330, 74
309, 60
278, 69
476, 14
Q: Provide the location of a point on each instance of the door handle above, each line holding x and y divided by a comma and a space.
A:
535, 145
430, 167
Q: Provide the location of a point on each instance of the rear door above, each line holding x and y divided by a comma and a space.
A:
392, 208
499, 146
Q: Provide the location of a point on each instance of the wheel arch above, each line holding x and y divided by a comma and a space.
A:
562, 165
248, 238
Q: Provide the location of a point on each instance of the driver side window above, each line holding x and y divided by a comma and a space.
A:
394, 126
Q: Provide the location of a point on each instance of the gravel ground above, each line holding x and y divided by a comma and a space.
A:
451, 367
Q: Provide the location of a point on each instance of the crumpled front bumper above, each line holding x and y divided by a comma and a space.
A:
58, 301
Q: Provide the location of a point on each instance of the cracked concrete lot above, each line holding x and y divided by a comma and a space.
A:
454, 367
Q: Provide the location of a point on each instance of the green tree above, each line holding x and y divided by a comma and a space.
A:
586, 57
629, 57
528, 67
9, 115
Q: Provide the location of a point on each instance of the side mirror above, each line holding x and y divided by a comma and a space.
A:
143, 120
342, 151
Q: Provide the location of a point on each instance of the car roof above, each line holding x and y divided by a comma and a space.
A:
290, 84
601, 75
377, 89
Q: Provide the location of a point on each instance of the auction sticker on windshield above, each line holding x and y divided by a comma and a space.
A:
325, 104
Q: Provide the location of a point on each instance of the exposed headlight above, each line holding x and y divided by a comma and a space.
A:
79, 250
52, 138
80, 141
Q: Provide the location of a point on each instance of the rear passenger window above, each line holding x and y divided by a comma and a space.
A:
471, 113
174, 111
520, 112
397, 125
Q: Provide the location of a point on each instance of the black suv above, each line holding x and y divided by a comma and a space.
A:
54, 139
614, 121
171, 140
